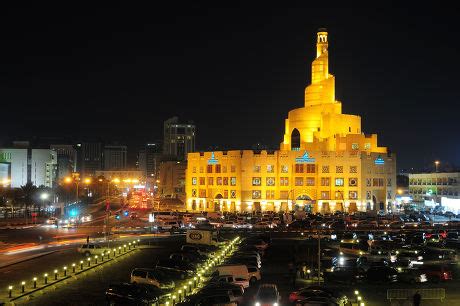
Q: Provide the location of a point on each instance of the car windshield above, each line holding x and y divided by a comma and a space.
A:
266, 295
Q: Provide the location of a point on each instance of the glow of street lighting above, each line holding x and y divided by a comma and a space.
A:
44, 196
87, 181
68, 179
116, 180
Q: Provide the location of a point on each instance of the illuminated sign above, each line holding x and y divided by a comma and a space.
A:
379, 161
212, 160
304, 159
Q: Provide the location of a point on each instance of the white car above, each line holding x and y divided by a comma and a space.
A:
52, 220
230, 279
243, 225
229, 224
254, 274
169, 225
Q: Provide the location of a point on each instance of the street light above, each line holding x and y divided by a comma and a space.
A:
436, 164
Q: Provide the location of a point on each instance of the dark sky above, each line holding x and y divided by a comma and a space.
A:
118, 70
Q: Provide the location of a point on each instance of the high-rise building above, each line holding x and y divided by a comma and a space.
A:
325, 162
172, 180
115, 157
179, 139
149, 159
66, 159
92, 157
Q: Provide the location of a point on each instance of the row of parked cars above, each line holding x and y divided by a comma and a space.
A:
151, 285
226, 284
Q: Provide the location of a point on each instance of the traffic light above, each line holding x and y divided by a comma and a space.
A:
126, 213
117, 216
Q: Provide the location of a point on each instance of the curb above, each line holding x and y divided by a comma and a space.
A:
27, 259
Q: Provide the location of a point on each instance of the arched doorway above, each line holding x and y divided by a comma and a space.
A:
339, 206
194, 205
325, 209
217, 200
257, 207
352, 207
295, 139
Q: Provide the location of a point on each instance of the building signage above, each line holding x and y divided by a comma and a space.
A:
212, 160
195, 236
304, 159
379, 161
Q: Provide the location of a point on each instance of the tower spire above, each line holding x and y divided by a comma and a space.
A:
321, 42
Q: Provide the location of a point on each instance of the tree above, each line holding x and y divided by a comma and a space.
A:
28, 192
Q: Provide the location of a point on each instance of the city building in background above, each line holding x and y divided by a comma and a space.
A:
115, 157
20, 166
435, 188
172, 180
325, 162
66, 159
92, 155
148, 161
179, 139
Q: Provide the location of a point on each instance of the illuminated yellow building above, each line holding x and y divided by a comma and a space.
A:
325, 162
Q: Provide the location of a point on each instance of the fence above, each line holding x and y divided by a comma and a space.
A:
426, 294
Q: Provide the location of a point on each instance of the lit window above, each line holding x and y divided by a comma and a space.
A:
193, 192
339, 181
225, 180
270, 181
324, 195
256, 194
270, 168
210, 181
368, 182
353, 195
325, 169
338, 169
257, 169
219, 181
367, 146
193, 180
284, 169
202, 181
352, 181
233, 194
325, 181
299, 181
256, 181
368, 195
353, 169
225, 194
233, 181
310, 181
354, 146
270, 194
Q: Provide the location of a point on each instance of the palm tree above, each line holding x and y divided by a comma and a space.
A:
28, 192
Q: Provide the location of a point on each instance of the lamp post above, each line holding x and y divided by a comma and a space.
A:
436, 164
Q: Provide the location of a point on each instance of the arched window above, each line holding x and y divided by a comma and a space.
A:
295, 140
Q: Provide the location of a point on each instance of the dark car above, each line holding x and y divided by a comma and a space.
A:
382, 274
412, 276
317, 292
131, 294
349, 275
299, 225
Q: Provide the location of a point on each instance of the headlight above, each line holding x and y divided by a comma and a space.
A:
257, 304
275, 304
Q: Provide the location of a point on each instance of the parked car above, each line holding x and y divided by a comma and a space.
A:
348, 275
254, 274
230, 279
152, 277
267, 294
92, 249
436, 273
412, 276
169, 225
208, 300
175, 269
262, 225
132, 294
319, 295
382, 274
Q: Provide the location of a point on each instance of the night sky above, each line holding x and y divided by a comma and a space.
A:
118, 70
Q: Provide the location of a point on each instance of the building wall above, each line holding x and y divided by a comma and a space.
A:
278, 180
43, 167
115, 157
433, 186
92, 158
172, 180
13, 163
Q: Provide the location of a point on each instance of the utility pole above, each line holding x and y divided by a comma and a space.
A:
319, 258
